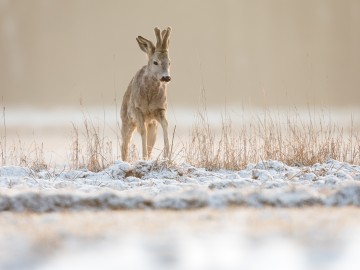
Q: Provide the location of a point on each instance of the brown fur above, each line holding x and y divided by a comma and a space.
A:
144, 102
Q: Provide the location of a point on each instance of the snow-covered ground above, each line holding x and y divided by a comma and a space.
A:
325, 238
267, 216
149, 184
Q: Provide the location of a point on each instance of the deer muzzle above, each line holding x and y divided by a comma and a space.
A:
165, 79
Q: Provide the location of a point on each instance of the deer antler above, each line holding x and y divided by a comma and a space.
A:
162, 39
165, 42
158, 39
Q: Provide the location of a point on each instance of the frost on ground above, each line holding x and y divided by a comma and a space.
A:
37, 231
153, 185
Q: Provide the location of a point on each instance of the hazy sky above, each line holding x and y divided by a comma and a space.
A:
274, 52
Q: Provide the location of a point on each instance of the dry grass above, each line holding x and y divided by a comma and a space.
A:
294, 141
90, 147
18, 153
31, 156
3, 138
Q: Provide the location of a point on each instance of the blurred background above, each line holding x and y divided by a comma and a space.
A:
63, 59
65, 65
55, 52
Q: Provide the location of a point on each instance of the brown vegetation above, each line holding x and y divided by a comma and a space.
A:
292, 139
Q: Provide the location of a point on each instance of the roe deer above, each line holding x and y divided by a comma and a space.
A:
144, 102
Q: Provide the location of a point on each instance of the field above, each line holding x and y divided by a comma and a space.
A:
263, 170
267, 190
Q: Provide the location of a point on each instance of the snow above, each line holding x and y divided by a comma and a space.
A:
154, 185
199, 254
206, 238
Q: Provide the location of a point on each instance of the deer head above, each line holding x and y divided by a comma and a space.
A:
159, 62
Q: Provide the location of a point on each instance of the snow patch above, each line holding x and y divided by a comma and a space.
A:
149, 184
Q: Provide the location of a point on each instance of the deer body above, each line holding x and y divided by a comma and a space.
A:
144, 102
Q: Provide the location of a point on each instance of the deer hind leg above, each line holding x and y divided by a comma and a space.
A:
151, 135
127, 131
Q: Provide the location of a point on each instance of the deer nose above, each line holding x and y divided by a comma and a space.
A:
165, 79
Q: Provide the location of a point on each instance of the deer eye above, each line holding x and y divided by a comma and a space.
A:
155, 63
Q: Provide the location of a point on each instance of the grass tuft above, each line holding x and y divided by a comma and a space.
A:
91, 149
295, 141
292, 139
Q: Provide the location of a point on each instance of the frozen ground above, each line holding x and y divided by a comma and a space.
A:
267, 216
151, 185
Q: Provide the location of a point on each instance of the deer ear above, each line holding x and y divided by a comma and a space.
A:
145, 45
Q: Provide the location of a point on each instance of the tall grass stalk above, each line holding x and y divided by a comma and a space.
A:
93, 150
292, 139
3, 138
294, 142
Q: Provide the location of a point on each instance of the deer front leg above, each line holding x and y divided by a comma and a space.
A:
143, 132
164, 124
127, 130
